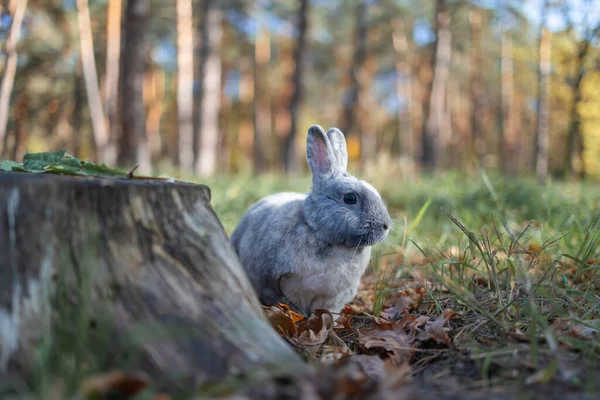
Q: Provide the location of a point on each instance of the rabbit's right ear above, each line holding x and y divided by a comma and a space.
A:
319, 152
338, 144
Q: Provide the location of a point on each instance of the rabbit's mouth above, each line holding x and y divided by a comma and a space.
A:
378, 236
377, 231
371, 237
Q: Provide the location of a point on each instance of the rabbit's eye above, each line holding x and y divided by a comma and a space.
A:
350, 198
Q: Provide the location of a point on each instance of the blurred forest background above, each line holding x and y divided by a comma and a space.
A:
209, 86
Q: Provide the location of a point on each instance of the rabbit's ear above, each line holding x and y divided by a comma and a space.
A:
319, 152
338, 144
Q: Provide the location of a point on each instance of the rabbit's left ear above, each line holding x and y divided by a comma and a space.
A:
338, 143
319, 153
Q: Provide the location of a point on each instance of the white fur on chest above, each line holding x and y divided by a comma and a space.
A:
329, 282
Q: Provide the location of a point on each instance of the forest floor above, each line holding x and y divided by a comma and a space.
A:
486, 288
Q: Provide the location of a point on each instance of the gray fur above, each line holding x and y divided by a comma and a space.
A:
311, 250
338, 143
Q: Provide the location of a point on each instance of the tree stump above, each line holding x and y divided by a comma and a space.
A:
152, 255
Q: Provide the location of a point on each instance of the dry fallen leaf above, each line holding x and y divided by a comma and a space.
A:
383, 323
358, 373
343, 322
295, 316
410, 323
436, 331
350, 310
394, 343
396, 305
314, 330
281, 320
585, 330
114, 383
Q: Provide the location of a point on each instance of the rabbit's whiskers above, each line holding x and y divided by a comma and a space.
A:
357, 246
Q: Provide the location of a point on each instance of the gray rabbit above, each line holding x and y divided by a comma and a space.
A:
310, 250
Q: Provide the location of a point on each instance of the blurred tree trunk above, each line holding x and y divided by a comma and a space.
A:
403, 88
90, 75
508, 138
476, 86
111, 89
224, 145
366, 118
351, 97
262, 106
290, 156
209, 102
10, 67
154, 93
76, 112
15, 144
185, 84
435, 107
575, 166
245, 105
543, 109
133, 146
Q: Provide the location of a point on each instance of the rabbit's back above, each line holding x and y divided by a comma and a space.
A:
260, 236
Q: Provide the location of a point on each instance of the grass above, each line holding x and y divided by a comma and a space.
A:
512, 256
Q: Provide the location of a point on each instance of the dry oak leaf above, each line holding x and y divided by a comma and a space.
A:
113, 383
283, 319
357, 374
436, 330
295, 316
314, 330
394, 343
351, 310
585, 330
411, 323
397, 305
342, 322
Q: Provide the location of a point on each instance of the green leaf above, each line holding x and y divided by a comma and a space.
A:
89, 168
60, 162
62, 169
71, 162
8, 165
37, 162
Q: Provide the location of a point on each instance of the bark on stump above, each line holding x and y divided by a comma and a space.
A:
153, 253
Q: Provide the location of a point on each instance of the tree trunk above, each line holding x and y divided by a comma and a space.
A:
403, 89
350, 105
133, 148
10, 68
575, 138
508, 138
435, 106
245, 105
90, 75
113, 56
185, 84
15, 144
150, 257
290, 156
154, 92
262, 106
543, 109
76, 139
477, 88
210, 89
365, 118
